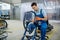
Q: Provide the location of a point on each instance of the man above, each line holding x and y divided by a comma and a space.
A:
41, 18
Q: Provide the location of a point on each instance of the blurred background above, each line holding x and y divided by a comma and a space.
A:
16, 8
13, 11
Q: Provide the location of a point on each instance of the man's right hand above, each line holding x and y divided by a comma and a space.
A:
32, 20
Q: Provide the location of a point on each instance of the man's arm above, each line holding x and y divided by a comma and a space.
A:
44, 14
33, 17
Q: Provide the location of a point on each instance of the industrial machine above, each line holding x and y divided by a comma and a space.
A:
3, 27
32, 34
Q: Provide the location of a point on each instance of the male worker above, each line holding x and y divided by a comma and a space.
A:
41, 18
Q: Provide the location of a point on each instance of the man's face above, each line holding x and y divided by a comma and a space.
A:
35, 8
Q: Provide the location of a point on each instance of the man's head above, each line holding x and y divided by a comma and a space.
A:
34, 6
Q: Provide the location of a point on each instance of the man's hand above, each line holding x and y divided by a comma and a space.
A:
38, 18
32, 20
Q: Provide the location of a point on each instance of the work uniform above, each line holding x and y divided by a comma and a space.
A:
41, 23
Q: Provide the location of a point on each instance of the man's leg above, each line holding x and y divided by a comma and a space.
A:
31, 26
43, 31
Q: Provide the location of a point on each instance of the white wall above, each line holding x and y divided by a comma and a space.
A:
24, 8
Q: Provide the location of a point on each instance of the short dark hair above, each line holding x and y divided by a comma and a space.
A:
34, 3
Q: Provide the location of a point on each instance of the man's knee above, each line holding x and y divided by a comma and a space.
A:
31, 25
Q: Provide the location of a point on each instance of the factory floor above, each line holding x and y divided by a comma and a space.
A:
15, 30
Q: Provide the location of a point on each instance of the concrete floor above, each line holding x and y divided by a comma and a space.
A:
15, 30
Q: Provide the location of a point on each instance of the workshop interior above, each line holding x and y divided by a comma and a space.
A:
16, 15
